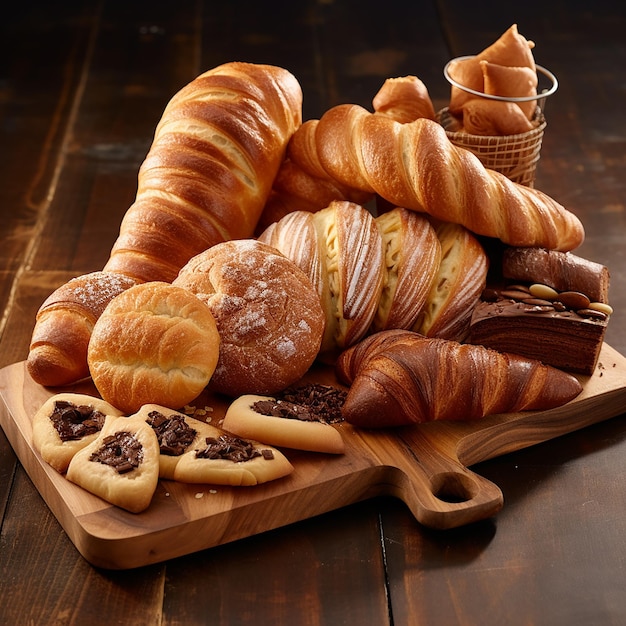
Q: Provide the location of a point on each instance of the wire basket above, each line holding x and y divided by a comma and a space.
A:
515, 156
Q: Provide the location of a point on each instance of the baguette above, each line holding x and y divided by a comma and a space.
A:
415, 166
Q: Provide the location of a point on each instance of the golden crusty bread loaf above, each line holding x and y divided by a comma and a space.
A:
268, 315
210, 168
457, 286
432, 277
340, 248
413, 379
415, 166
154, 343
60, 338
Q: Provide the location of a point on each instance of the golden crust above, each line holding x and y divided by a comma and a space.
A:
154, 343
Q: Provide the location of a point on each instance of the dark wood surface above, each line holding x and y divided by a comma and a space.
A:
82, 86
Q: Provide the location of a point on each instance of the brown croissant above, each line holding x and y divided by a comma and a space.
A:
415, 166
58, 347
408, 379
210, 169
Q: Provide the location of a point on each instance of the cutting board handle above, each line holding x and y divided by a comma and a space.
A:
439, 490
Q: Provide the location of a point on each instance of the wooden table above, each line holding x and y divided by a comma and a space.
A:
82, 86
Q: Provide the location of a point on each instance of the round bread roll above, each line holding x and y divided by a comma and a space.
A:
268, 314
154, 343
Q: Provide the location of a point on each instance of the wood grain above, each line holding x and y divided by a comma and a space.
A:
425, 466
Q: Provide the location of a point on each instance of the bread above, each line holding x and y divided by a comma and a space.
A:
121, 466
58, 347
210, 168
411, 265
180, 438
456, 288
268, 315
416, 167
66, 423
432, 277
563, 271
154, 343
414, 379
248, 417
340, 249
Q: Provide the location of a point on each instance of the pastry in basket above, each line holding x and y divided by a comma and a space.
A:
66, 423
154, 343
407, 379
505, 68
192, 451
301, 418
121, 465
268, 315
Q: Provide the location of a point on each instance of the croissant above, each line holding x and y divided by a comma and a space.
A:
58, 347
407, 379
210, 169
415, 166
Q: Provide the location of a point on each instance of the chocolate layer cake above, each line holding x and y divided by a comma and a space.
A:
513, 320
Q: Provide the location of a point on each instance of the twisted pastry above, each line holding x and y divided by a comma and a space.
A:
415, 166
399, 378
210, 169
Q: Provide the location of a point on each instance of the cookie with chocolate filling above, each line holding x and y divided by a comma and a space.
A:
121, 465
224, 459
295, 420
66, 423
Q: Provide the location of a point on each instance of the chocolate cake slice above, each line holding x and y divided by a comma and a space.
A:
565, 331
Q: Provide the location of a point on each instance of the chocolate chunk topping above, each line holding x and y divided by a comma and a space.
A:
173, 432
74, 422
122, 451
310, 402
231, 448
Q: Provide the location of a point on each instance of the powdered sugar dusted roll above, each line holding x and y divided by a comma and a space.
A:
268, 315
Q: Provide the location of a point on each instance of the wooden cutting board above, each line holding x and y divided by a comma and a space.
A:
423, 465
